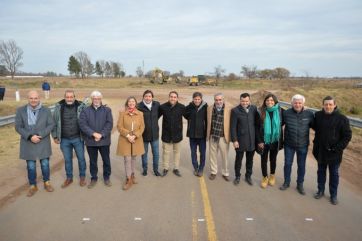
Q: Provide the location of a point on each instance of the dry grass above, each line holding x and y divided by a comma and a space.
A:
9, 147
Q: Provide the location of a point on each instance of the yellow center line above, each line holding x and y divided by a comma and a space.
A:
208, 212
194, 222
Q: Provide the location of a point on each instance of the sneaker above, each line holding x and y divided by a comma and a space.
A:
82, 182
48, 187
67, 182
108, 183
300, 189
212, 176
264, 182
284, 187
318, 194
236, 180
157, 174
165, 171
32, 190
271, 180
249, 181
92, 184
176, 172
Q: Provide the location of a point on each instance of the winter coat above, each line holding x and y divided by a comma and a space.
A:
96, 120
151, 132
227, 113
172, 122
244, 127
296, 127
57, 131
196, 120
124, 126
332, 135
43, 127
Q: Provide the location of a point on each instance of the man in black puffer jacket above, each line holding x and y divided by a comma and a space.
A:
297, 121
332, 135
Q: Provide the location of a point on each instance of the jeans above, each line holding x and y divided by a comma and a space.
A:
31, 166
248, 165
93, 158
201, 142
289, 156
155, 152
67, 145
333, 177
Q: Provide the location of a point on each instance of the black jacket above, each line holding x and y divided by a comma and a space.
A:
172, 122
196, 120
244, 127
332, 135
151, 121
297, 126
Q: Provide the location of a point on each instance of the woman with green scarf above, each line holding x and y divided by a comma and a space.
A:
272, 136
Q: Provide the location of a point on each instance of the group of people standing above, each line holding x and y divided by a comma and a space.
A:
265, 130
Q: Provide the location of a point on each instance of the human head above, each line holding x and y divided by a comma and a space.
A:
33, 98
270, 100
69, 97
131, 102
197, 98
245, 100
173, 97
219, 100
148, 96
96, 97
329, 104
298, 102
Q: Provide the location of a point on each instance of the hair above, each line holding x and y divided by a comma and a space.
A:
244, 95
96, 93
173, 92
128, 99
298, 97
219, 94
263, 107
69, 91
197, 94
329, 98
147, 92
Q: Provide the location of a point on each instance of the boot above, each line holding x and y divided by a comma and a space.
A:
272, 180
128, 184
264, 182
133, 178
32, 190
48, 187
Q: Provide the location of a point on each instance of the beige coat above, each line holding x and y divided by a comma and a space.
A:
227, 113
124, 127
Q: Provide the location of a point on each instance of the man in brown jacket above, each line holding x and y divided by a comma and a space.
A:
218, 135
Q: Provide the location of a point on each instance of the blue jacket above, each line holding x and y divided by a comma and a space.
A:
96, 120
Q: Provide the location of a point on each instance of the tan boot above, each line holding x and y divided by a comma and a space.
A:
133, 178
272, 180
128, 184
82, 182
264, 182
67, 182
32, 190
48, 187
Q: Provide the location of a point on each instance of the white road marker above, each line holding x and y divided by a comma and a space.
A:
86, 219
201, 219
137, 219
249, 219
309, 219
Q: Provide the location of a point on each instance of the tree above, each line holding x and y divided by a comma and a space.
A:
182, 73
3, 70
139, 71
248, 71
232, 76
281, 73
11, 56
99, 70
86, 65
107, 69
74, 66
219, 71
266, 73
117, 70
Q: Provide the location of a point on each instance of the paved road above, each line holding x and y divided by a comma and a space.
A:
187, 208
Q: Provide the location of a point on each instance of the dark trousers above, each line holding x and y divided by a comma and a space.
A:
264, 160
333, 177
93, 157
201, 142
248, 164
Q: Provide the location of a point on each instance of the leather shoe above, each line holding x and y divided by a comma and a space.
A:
226, 178
82, 182
212, 176
157, 174
249, 181
92, 184
236, 180
284, 187
144, 173
318, 194
32, 190
300, 189
67, 182
334, 200
176, 172
165, 171
107, 182
48, 187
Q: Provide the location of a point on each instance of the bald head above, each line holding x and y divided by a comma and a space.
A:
33, 98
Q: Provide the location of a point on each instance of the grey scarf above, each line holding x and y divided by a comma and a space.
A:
33, 114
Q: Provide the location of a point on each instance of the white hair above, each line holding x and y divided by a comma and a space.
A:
298, 97
219, 94
96, 93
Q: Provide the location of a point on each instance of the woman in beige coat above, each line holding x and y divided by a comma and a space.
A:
130, 143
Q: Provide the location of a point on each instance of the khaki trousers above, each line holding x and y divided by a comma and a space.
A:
214, 148
167, 151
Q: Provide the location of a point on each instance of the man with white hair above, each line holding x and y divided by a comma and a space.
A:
297, 121
96, 123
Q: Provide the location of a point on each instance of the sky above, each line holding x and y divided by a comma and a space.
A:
308, 37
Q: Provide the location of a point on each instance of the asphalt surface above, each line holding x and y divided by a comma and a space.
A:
186, 208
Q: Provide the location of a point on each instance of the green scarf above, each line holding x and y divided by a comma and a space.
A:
272, 127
